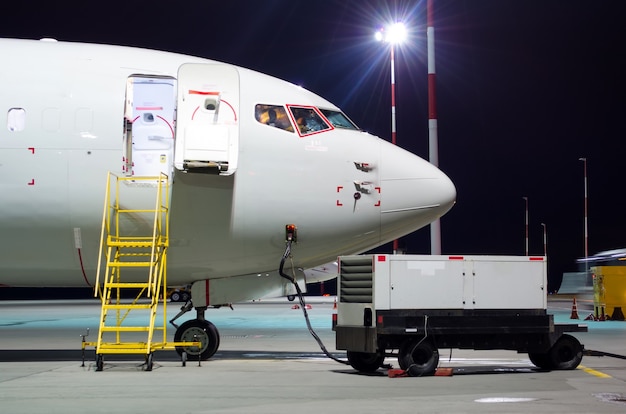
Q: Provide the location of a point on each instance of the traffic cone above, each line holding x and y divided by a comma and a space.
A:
574, 310
618, 315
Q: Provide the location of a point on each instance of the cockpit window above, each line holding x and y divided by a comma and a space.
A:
338, 119
273, 115
308, 120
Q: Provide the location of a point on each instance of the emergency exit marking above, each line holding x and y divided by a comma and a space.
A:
31, 149
339, 188
32, 182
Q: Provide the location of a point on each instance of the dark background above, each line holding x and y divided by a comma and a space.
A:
524, 89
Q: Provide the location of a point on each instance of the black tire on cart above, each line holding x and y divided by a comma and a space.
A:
364, 361
566, 353
418, 357
541, 360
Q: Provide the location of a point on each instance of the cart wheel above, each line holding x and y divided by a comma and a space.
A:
149, 362
99, 362
365, 362
541, 360
183, 358
566, 353
175, 297
418, 357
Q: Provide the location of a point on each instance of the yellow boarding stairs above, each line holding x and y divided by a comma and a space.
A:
127, 326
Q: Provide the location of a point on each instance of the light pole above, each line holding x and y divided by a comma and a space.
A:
545, 240
584, 160
526, 224
393, 34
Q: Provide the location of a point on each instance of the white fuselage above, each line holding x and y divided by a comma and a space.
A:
68, 109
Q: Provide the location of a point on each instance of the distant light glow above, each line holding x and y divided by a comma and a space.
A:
395, 34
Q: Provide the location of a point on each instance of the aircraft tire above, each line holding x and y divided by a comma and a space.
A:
418, 357
364, 361
201, 330
566, 353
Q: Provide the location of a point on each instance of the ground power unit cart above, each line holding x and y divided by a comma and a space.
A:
413, 305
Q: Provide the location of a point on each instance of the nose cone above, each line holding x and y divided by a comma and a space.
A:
414, 192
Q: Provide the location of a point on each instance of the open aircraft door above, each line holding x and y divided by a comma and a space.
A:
207, 125
149, 126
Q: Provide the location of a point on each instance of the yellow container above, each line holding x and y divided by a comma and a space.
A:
609, 291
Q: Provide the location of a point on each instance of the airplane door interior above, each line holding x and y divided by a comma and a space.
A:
207, 132
149, 126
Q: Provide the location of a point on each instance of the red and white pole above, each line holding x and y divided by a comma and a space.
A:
584, 160
433, 145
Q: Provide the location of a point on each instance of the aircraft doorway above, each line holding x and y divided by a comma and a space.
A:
149, 126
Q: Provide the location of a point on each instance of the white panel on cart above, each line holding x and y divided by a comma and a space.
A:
426, 282
509, 284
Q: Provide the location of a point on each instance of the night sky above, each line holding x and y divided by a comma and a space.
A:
524, 89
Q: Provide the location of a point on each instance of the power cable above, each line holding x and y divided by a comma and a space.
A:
303, 305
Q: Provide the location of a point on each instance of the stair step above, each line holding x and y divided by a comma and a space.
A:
131, 243
127, 306
128, 285
130, 264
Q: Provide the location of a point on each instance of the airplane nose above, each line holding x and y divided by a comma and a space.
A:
414, 192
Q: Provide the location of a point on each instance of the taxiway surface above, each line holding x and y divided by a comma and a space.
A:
269, 363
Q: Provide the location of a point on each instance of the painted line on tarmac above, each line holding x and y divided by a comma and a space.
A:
594, 372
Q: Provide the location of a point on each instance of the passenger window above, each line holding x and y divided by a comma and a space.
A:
16, 119
273, 115
308, 120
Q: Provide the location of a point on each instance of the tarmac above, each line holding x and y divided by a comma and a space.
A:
268, 362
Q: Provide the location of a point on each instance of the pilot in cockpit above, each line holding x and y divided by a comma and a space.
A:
271, 117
